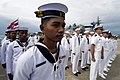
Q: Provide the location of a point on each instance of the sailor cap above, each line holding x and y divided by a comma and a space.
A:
67, 32
10, 30
109, 32
92, 32
51, 10
22, 28
86, 32
98, 27
77, 29
105, 31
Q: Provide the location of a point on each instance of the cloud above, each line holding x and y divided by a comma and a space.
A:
80, 11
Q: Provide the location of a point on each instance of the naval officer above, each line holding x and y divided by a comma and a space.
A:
46, 60
85, 50
96, 51
76, 49
66, 43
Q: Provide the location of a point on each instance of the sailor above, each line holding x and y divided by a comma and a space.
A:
7, 36
46, 60
85, 50
66, 43
115, 47
111, 48
15, 49
11, 36
92, 33
76, 49
103, 62
96, 51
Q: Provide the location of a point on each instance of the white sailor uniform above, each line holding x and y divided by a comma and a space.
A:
14, 51
76, 48
66, 43
35, 65
97, 41
85, 48
3, 51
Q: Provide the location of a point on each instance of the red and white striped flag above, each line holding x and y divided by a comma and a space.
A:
14, 24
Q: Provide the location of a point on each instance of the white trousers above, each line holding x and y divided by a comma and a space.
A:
75, 62
67, 56
84, 59
94, 69
89, 58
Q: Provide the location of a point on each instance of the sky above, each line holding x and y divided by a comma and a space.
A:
79, 12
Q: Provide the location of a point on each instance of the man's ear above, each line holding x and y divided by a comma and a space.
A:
42, 28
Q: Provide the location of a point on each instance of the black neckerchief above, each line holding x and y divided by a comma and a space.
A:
21, 44
47, 54
68, 41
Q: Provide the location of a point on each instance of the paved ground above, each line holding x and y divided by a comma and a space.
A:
113, 74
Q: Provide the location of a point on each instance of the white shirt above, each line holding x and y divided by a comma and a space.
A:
75, 44
86, 43
3, 51
14, 51
65, 43
97, 41
27, 68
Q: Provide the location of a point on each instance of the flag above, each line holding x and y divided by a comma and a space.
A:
14, 24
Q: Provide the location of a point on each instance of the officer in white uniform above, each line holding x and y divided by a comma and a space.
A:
66, 43
110, 49
15, 49
5, 44
103, 62
96, 52
85, 50
76, 49
45, 60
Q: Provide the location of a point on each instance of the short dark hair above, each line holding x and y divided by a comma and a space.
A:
43, 20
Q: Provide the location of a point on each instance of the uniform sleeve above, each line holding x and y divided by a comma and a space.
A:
9, 54
94, 40
3, 54
63, 41
25, 66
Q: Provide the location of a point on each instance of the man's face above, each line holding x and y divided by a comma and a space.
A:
53, 29
13, 35
8, 35
87, 34
78, 32
105, 35
99, 31
23, 35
